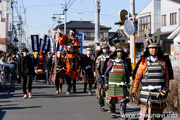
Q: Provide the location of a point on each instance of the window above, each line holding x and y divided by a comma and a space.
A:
88, 36
173, 18
164, 20
144, 23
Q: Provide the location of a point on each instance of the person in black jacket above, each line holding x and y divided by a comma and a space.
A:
48, 64
25, 69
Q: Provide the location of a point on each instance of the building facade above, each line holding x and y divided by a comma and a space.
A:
5, 25
163, 14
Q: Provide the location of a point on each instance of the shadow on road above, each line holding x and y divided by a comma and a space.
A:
2, 112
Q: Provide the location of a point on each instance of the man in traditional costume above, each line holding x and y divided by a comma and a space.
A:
88, 70
72, 58
117, 79
153, 73
57, 70
67, 40
73, 68
101, 65
40, 60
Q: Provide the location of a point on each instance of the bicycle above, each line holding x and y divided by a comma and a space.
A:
6, 82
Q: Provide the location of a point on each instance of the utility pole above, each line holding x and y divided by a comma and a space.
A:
65, 10
132, 37
97, 20
20, 28
12, 18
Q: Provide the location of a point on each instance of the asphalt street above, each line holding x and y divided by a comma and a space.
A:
46, 105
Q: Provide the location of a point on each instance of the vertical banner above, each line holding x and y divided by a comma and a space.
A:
34, 42
59, 47
51, 45
54, 46
46, 44
41, 44
80, 39
10, 22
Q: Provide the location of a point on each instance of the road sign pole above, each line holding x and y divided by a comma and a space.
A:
132, 11
134, 46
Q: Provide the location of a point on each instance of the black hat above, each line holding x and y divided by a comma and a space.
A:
25, 50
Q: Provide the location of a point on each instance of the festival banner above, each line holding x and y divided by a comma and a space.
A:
34, 42
41, 44
59, 47
46, 45
51, 45
10, 21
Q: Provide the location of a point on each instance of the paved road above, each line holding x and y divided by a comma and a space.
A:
46, 105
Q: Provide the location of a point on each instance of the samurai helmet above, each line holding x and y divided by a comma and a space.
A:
103, 45
152, 41
119, 47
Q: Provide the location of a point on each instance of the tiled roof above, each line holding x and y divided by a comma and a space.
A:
81, 25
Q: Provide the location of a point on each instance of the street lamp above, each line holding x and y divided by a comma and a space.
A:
61, 16
54, 18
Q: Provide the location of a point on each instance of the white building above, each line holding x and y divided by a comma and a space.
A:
175, 35
164, 14
5, 25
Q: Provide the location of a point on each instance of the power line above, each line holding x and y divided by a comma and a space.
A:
70, 4
43, 5
92, 13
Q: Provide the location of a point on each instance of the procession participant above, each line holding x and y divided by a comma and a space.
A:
40, 60
153, 74
73, 68
48, 64
117, 78
101, 65
88, 70
67, 40
57, 67
24, 70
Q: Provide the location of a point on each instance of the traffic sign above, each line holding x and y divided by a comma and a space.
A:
80, 38
129, 27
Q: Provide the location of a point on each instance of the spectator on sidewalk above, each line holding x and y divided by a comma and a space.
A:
12, 60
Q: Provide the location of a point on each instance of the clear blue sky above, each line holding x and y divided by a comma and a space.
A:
39, 12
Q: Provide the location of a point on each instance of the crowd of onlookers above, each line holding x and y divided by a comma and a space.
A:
10, 60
